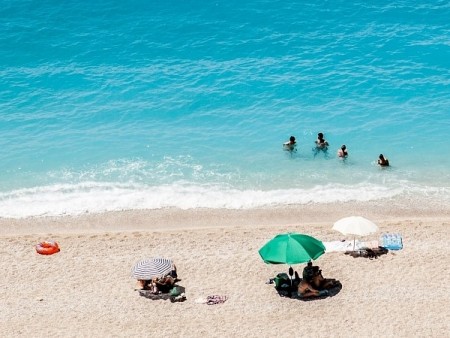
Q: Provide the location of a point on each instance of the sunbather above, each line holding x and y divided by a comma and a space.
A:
164, 284
313, 284
157, 285
309, 271
145, 284
306, 290
321, 283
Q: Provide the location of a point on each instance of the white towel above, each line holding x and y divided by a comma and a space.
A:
338, 246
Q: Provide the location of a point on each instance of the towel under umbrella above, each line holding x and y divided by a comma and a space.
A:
355, 225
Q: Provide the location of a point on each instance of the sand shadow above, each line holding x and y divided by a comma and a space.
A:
373, 253
165, 296
292, 292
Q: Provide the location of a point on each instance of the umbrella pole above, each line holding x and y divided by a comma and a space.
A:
291, 273
354, 243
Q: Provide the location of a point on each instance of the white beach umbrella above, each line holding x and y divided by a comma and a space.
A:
355, 225
149, 268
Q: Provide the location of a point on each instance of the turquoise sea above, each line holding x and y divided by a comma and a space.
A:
114, 105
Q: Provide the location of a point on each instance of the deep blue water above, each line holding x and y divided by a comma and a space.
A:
146, 104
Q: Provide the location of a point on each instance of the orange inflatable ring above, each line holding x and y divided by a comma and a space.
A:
47, 248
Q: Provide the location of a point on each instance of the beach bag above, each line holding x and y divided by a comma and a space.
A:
175, 291
392, 241
282, 281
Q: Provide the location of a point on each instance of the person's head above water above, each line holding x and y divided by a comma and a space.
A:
320, 135
292, 139
383, 161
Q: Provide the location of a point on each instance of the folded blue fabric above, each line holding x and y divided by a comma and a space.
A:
392, 241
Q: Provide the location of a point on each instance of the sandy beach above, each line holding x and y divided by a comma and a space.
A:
86, 289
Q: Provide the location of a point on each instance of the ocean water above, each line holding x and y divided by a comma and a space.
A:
116, 105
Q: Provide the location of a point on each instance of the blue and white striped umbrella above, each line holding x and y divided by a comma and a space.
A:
149, 268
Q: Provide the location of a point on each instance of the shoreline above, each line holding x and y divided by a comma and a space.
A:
172, 219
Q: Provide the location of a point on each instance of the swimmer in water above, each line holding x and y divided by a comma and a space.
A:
290, 145
321, 143
342, 152
382, 161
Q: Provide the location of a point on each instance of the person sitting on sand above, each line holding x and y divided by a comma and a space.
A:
342, 152
321, 283
382, 161
309, 271
313, 284
321, 143
164, 284
173, 273
313, 274
158, 285
145, 284
290, 145
161, 284
306, 289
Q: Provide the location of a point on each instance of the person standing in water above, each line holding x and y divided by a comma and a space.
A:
342, 152
290, 145
382, 161
321, 143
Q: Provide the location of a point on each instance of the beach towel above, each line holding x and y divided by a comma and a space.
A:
329, 292
164, 296
368, 253
342, 246
391, 241
154, 296
176, 294
215, 299
336, 246
212, 300
370, 244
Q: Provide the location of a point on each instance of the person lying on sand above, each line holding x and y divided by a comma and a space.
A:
313, 284
321, 283
313, 275
306, 290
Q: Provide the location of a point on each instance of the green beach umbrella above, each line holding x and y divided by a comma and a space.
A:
291, 248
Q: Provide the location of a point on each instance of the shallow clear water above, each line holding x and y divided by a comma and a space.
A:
117, 106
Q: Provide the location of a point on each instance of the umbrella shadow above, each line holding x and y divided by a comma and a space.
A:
292, 292
165, 296
368, 253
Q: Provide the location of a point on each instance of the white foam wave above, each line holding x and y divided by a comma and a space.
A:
94, 197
